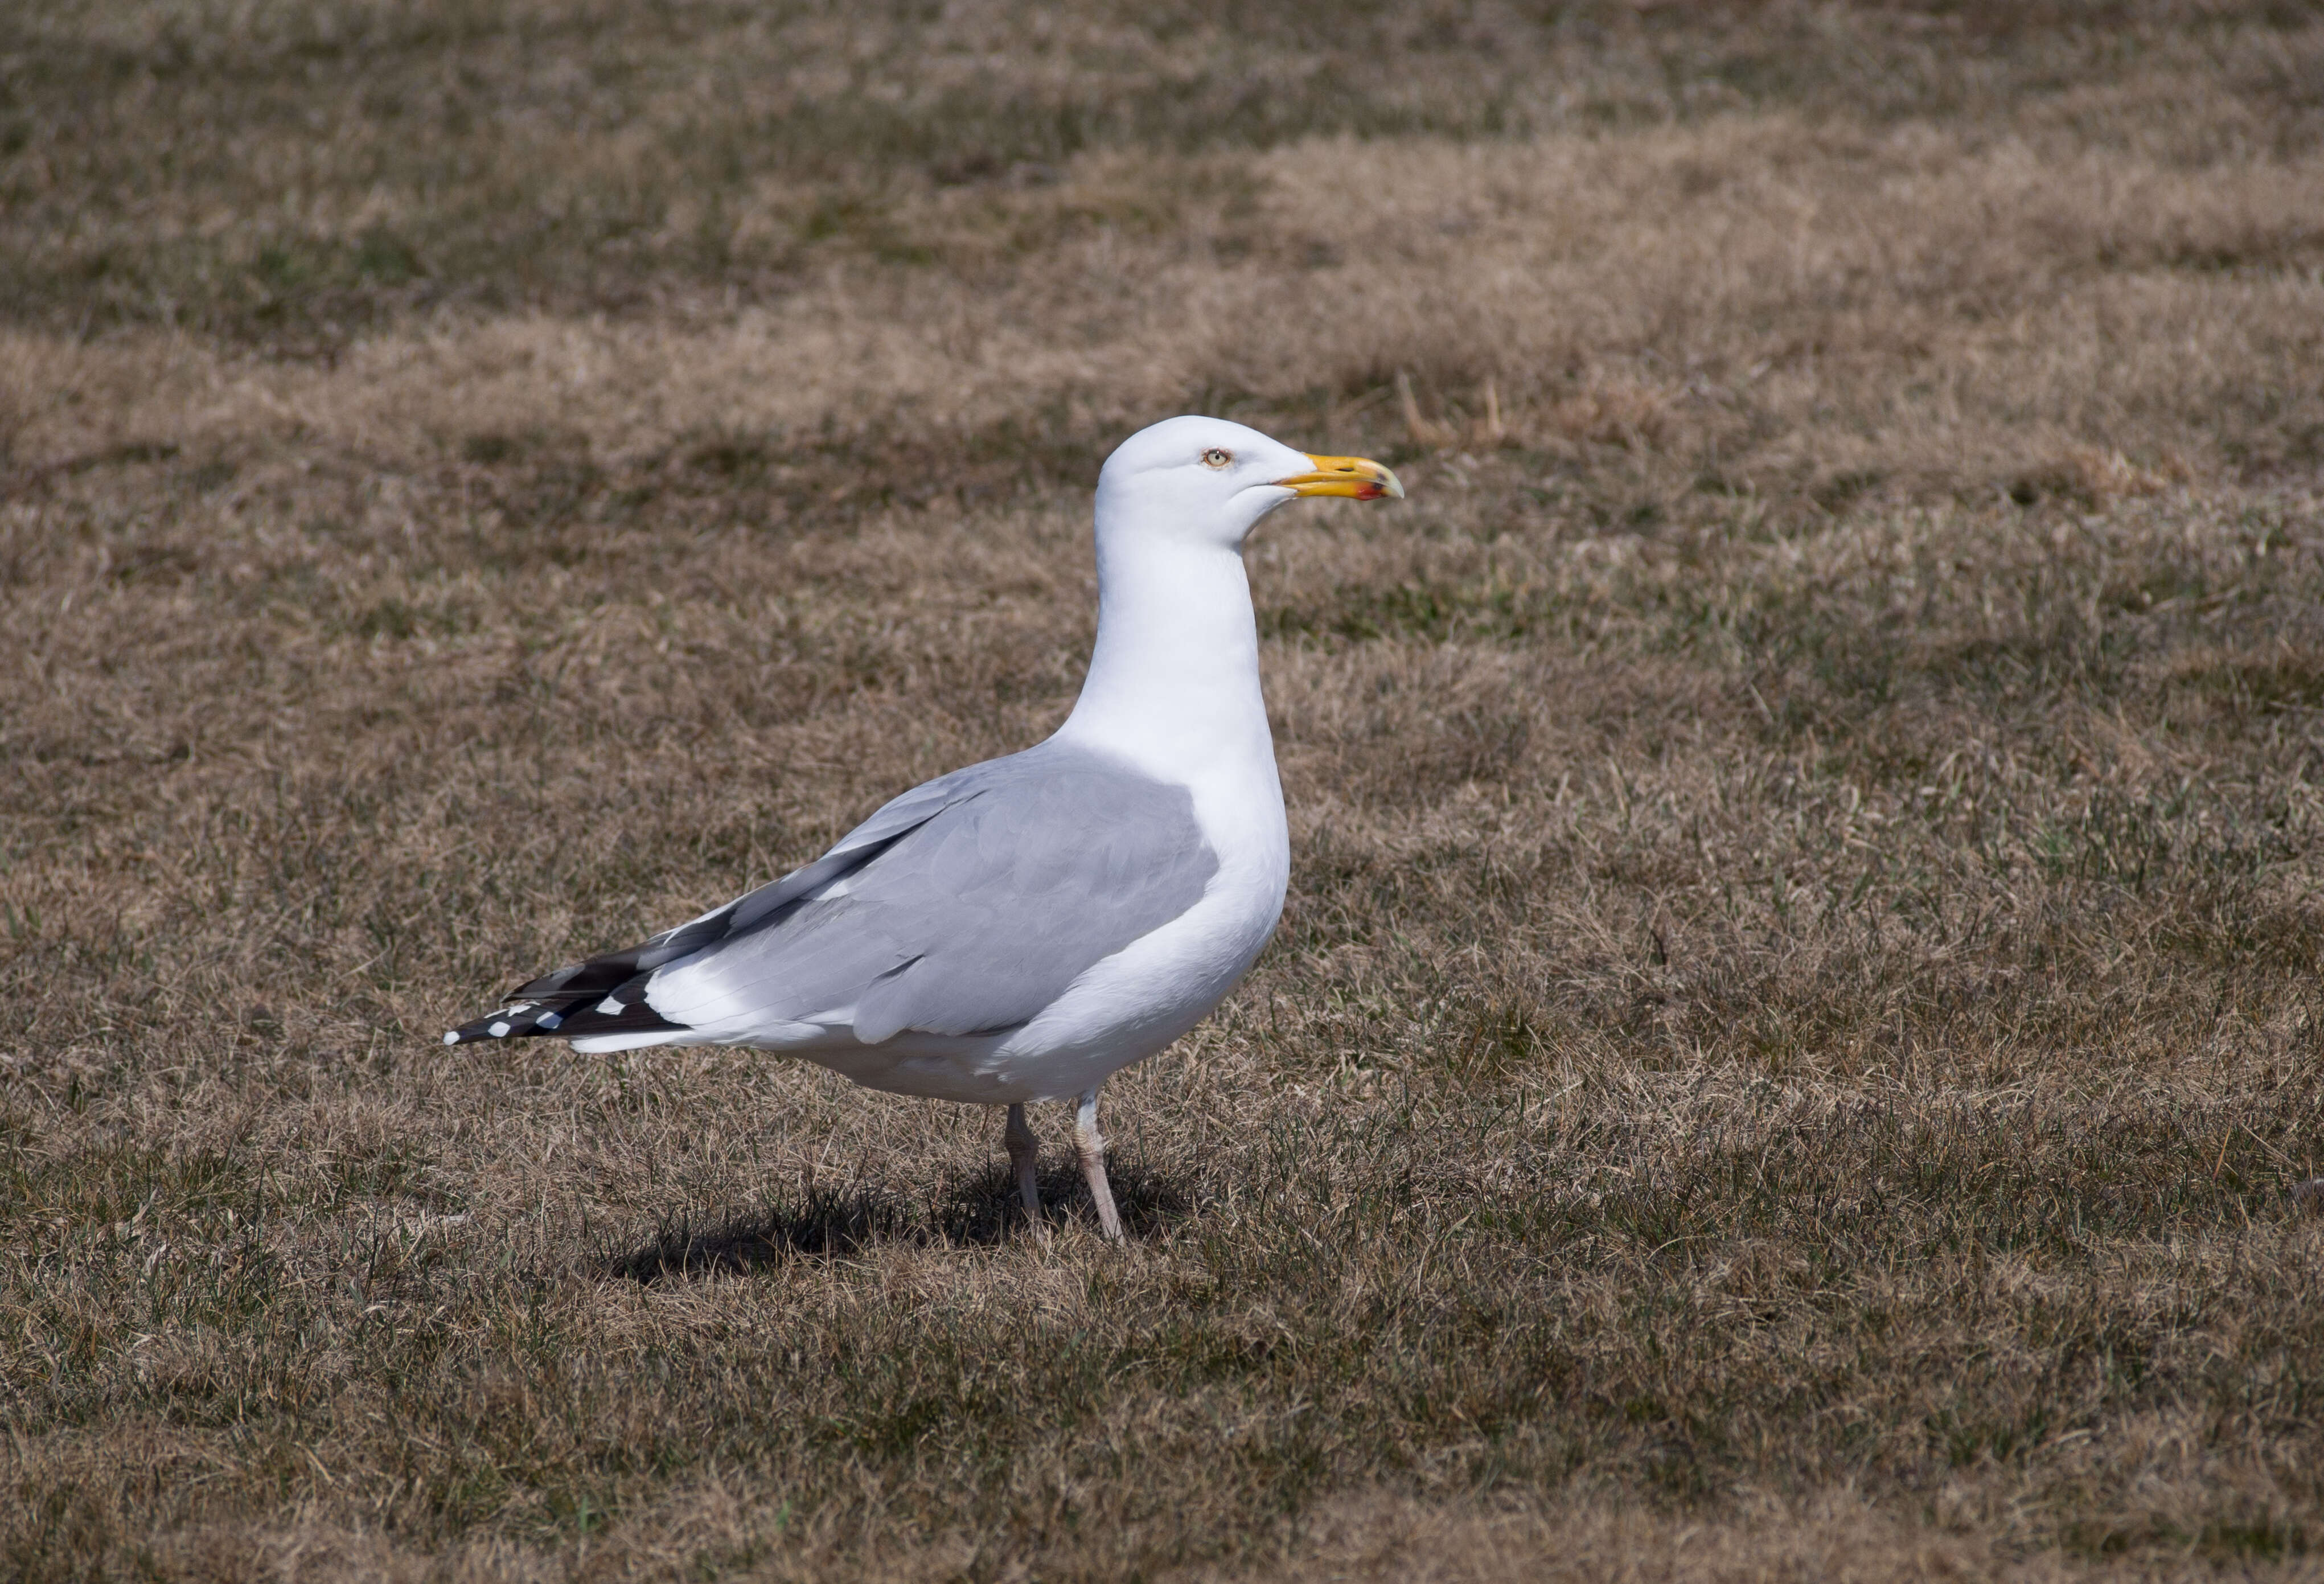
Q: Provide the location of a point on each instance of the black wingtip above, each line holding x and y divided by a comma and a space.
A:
623, 1011
518, 1020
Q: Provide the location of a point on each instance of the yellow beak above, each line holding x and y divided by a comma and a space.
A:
1358, 476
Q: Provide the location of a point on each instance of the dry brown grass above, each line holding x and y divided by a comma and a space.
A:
1797, 1023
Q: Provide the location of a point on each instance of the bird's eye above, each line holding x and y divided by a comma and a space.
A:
1214, 458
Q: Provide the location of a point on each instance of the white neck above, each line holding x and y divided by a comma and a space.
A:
1173, 680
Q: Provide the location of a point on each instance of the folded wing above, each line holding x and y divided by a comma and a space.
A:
964, 907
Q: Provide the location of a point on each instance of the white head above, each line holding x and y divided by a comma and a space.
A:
1209, 481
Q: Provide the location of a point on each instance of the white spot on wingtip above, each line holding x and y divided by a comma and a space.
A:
498, 1031
451, 1037
610, 1006
550, 1020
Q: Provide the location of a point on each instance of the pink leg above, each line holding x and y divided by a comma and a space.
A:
1024, 1155
1090, 1146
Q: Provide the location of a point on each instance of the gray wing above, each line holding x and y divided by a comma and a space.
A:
606, 993
966, 907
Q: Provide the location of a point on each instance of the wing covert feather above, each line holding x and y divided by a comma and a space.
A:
971, 918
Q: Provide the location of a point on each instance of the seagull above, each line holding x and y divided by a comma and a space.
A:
1019, 930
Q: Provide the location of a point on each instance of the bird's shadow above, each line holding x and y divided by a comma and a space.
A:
981, 1211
